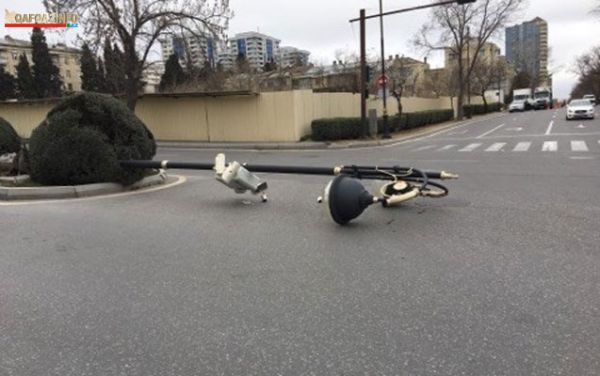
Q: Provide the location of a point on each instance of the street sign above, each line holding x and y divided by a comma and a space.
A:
383, 81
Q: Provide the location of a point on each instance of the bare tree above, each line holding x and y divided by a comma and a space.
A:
400, 75
487, 74
137, 25
458, 26
588, 67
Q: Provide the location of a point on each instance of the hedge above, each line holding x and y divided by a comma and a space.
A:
82, 140
10, 142
479, 109
350, 128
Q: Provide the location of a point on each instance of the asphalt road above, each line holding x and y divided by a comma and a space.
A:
500, 278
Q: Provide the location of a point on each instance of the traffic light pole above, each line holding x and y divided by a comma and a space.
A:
386, 128
363, 75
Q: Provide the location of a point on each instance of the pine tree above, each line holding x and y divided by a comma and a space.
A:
102, 85
173, 75
89, 71
114, 63
7, 85
46, 75
25, 84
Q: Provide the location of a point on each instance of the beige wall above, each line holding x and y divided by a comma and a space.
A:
276, 116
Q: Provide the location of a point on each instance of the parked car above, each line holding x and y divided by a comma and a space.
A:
517, 105
591, 98
580, 109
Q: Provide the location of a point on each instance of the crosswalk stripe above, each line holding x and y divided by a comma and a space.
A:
447, 147
550, 146
425, 148
579, 146
522, 146
470, 147
496, 147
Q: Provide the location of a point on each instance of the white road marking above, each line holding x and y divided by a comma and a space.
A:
490, 132
582, 158
549, 130
550, 146
579, 146
522, 146
517, 129
496, 147
581, 126
424, 148
470, 147
447, 147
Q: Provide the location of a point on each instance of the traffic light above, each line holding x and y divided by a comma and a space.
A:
368, 73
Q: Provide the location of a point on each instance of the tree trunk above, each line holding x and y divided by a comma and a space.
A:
131, 92
460, 111
485, 104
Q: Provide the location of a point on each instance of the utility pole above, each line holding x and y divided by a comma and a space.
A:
386, 129
363, 75
469, 115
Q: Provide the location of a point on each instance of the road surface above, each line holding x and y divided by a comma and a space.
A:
500, 278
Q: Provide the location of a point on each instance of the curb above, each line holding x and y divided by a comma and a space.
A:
77, 191
316, 145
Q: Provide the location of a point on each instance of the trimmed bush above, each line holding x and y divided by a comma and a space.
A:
82, 140
336, 129
349, 128
10, 142
479, 109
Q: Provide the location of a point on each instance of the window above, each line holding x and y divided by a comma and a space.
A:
15, 56
66, 60
70, 86
68, 73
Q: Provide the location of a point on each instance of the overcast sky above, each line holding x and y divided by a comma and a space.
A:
322, 27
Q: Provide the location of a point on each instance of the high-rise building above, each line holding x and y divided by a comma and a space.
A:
199, 49
258, 49
527, 49
292, 56
65, 58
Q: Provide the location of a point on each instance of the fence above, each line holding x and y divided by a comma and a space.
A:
266, 117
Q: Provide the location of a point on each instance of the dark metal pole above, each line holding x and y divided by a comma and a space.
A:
365, 172
469, 114
363, 75
386, 129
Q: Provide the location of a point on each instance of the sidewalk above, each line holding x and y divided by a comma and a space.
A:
398, 137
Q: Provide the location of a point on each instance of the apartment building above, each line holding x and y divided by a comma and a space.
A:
198, 49
527, 49
258, 49
292, 56
64, 57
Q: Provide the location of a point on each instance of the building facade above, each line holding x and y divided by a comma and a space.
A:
200, 50
488, 53
292, 56
65, 58
527, 49
258, 49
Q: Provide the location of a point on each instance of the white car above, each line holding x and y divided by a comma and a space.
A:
580, 109
591, 98
517, 106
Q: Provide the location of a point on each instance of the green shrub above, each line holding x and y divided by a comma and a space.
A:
349, 128
10, 142
479, 109
336, 129
84, 137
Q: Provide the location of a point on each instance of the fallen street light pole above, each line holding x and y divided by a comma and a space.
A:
345, 195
